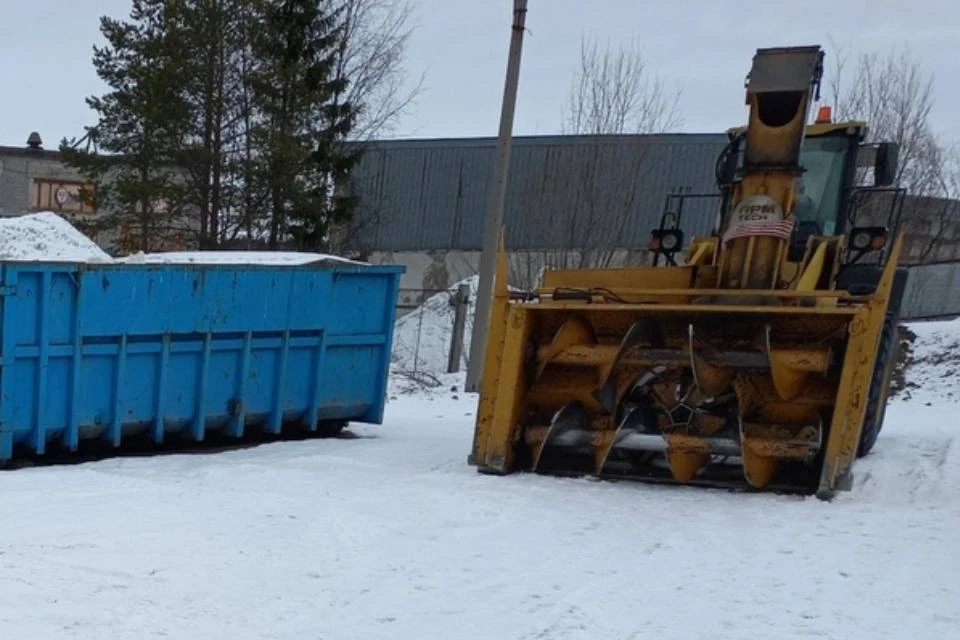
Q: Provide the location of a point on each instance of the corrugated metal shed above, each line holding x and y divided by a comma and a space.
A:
563, 190
932, 291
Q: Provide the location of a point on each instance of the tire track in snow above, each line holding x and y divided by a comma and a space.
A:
914, 459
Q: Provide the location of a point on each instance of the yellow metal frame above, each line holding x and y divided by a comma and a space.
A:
852, 395
506, 392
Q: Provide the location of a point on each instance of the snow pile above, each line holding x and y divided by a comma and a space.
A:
46, 237
421, 344
234, 258
933, 364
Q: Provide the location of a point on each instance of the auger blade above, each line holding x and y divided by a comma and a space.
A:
638, 425
767, 446
643, 330
574, 331
562, 446
713, 380
637, 418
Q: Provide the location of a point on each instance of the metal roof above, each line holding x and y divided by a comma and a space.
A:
431, 194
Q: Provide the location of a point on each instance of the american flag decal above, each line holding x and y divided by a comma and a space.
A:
775, 228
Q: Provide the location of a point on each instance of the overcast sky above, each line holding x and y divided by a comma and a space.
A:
703, 47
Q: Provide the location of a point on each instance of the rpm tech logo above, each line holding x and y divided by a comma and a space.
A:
756, 208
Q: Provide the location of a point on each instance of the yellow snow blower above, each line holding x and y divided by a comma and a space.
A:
761, 360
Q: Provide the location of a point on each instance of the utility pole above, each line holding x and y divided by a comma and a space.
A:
495, 202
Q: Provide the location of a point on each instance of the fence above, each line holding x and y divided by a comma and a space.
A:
432, 333
410, 299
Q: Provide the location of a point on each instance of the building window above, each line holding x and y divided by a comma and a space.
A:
61, 195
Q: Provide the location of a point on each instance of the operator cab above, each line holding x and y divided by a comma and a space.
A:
831, 194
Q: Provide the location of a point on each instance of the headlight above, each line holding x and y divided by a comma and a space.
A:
861, 240
868, 238
666, 240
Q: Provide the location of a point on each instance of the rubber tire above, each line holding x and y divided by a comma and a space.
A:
879, 385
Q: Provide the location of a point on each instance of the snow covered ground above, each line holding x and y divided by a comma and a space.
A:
390, 534
935, 360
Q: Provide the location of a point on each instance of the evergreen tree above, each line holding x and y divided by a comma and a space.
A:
140, 129
300, 124
233, 111
214, 37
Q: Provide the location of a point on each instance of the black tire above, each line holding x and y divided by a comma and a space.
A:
879, 386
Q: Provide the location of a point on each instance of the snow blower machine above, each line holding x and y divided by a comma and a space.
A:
758, 357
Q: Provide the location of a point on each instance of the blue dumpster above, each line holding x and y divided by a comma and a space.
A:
109, 351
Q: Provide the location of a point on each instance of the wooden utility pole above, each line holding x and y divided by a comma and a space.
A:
495, 202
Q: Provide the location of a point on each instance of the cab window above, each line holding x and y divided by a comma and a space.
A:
820, 187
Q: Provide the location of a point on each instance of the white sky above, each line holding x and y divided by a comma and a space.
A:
704, 47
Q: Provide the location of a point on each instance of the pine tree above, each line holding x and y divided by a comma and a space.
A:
300, 122
140, 128
215, 34
233, 111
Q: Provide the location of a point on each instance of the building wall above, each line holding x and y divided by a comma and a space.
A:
424, 202
932, 230
37, 180
932, 291
563, 191
19, 171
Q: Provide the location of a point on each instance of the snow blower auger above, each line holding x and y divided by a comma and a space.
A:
762, 361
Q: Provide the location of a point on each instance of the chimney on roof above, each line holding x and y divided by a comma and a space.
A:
34, 141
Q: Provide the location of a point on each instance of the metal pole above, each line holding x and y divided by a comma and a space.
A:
461, 303
495, 202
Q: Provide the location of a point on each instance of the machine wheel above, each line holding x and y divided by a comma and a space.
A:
877, 398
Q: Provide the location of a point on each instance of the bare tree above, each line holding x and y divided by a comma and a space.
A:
613, 93
943, 212
894, 94
591, 207
373, 39
372, 45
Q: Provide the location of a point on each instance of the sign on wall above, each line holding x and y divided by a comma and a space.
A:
60, 195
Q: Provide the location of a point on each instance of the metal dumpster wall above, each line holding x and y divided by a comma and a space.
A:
91, 351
